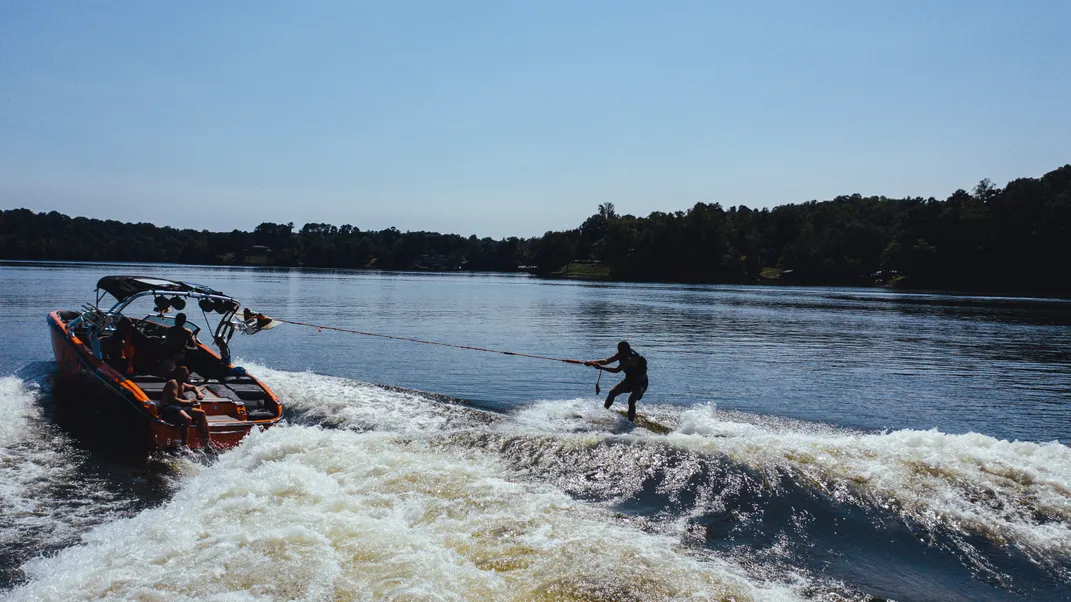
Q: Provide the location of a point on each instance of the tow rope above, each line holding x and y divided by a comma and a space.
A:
321, 327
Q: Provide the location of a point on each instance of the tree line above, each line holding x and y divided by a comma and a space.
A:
1013, 239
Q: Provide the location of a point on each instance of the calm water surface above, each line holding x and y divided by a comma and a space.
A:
854, 357
826, 440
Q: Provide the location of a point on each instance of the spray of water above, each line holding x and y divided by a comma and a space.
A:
46, 500
313, 514
370, 493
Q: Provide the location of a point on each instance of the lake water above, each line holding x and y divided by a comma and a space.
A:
826, 441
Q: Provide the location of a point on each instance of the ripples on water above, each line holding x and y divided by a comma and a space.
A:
832, 485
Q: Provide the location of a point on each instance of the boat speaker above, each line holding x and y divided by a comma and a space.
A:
162, 303
178, 303
206, 305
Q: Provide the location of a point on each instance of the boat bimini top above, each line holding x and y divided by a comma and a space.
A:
169, 294
124, 288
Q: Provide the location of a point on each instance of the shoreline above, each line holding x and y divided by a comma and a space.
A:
995, 294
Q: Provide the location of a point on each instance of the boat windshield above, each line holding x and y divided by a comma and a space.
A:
169, 321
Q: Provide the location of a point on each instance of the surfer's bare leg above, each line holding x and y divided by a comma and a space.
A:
618, 389
632, 399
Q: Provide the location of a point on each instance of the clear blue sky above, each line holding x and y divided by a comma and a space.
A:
512, 118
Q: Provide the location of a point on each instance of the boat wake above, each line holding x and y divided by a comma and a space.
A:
49, 494
369, 492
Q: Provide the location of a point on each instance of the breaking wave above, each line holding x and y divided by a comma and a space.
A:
307, 513
368, 492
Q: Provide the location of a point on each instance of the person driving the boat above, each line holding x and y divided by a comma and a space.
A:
177, 337
176, 341
176, 409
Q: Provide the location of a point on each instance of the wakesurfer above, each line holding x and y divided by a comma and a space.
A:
635, 383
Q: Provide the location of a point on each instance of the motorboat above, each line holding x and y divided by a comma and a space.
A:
123, 380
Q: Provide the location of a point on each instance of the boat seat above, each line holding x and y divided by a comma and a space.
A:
251, 394
152, 389
248, 392
224, 392
152, 385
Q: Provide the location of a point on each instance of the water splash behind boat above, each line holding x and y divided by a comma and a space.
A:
372, 491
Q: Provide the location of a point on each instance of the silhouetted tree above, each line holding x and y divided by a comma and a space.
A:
1015, 239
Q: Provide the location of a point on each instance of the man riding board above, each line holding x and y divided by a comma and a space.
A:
635, 368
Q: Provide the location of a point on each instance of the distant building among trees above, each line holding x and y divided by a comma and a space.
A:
257, 255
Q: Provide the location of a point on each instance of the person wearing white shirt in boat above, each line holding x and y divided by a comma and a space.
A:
177, 410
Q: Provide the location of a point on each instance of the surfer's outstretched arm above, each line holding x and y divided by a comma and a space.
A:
609, 360
612, 370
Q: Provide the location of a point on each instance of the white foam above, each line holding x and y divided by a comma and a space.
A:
45, 500
305, 513
413, 499
31, 459
20, 464
1017, 493
341, 402
579, 415
17, 402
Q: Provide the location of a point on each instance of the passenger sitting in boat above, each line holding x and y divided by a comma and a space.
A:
176, 340
118, 348
177, 410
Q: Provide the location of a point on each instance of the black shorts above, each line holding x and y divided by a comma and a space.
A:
636, 386
172, 414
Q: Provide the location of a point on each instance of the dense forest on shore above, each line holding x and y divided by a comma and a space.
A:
1015, 240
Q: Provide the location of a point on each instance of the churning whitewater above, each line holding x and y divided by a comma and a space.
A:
48, 495
372, 493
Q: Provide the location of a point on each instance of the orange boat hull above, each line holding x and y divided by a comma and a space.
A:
96, 387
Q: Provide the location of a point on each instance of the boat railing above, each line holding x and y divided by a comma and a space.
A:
96, 323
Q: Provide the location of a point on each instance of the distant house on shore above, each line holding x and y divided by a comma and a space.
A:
257, 255
437, 261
